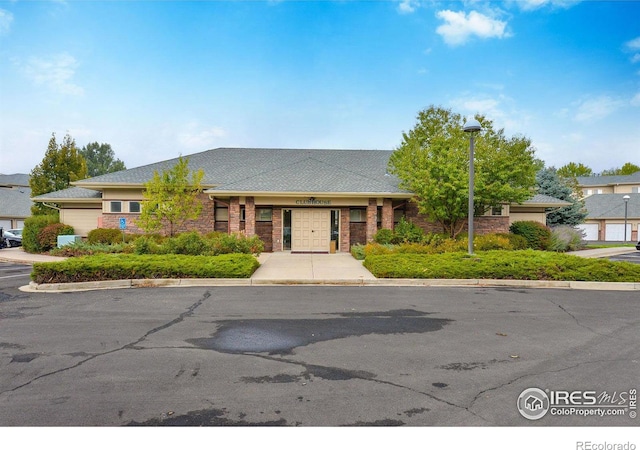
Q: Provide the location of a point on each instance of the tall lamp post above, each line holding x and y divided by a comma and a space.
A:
471, 126
626, 204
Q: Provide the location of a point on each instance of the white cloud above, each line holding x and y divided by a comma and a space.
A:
195, 137
6, 19
55, 72
408, 6
529, 5
598, 108
460, 27
501, 110
635, 101
634, 46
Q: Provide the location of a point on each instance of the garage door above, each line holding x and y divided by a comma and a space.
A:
615, 232
590, 231
5, 224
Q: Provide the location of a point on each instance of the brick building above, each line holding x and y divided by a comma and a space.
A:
298, 200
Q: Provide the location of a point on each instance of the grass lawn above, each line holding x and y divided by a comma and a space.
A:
502, 265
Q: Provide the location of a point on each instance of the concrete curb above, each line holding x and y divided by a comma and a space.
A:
382, 282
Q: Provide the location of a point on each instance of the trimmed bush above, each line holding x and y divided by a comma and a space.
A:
32, 227
191, 243
125, 267
357, 251
105, 236
538, 236
510, 265
48, 236
517, 242
82, 248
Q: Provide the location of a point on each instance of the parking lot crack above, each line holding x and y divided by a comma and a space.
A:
575, 319
188, 312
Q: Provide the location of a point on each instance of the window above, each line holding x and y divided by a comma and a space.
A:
134, 207
358, 215
264, 215
635, 190
496, 211
222, 215
115, 207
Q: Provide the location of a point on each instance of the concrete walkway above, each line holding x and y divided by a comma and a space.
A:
316, 267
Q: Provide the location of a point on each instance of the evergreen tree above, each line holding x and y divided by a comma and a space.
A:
61, 165
100, 159
549, 183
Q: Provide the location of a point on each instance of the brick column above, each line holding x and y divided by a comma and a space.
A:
234, 214
372, 219
345, 232
387, 214
250, 216
276, 231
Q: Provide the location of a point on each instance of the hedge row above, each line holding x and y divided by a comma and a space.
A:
505, 265
124, 267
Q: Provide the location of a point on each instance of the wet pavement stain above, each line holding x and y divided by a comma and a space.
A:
281, 336
439, 385
414, 411
24, 358
378, 423
280, 378
204, 418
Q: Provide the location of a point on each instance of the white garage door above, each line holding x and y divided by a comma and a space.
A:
5, 224
615, 232
590, 231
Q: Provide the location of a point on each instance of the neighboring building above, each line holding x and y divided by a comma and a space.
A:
604, 201
15, 200
298, 200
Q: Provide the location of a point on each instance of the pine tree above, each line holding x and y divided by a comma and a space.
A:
549, 183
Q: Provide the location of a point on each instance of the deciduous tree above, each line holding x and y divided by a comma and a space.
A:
433, 162
171, 198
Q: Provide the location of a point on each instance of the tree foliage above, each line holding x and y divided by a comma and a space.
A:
61, 165
626, 169
433, 162
573, 170
171, 198
549, 183
100, 159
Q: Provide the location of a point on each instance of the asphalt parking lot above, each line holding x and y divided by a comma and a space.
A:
309, 355
632, 257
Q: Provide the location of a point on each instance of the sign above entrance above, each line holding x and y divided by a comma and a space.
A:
313, 202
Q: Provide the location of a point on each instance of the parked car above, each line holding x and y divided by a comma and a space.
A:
638, 246
13, 238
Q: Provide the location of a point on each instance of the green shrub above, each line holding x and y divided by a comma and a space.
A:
497, 264
124, 267
83, 248
407, 232
147, 245
384, 236
236, 243
48, 236
538, 236
104, 236
357, 251
453, 245
486, 242
32, 227
517, 242
191, 243
565, 238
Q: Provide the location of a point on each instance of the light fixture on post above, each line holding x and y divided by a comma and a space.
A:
472, 127
626, 204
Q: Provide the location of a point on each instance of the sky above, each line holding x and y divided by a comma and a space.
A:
159, 79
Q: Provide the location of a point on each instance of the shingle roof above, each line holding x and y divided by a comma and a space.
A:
15, 202
275, 170
72, 193
609, 180
611, 206
541, 199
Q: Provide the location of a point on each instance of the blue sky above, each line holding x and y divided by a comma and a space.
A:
156, 79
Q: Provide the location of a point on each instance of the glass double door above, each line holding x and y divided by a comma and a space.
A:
310, 230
